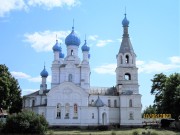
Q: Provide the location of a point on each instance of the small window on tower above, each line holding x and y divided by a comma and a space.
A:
70, 78
127, 59
71, 52
121, 59
127, 76
131, 117
130, 103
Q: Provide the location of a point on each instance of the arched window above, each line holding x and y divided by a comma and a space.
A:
92, 115
33, 102
92, 102
70, 78
127, 59
58, 116
130, 103
45, 101
127, 76
71, 52
121, 59
115, 103
75, 111
109, 103
131, 117
67, 107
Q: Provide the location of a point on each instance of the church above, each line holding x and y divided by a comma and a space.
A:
71, 101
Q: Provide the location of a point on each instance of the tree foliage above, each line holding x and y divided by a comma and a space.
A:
10, 92
167, 94
151, 109
26, 122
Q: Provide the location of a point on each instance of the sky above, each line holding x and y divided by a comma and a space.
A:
28, 30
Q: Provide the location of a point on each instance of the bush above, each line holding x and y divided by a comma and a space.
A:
135, 132
25, 122
154, 133
113, 133
103, 127
166, 122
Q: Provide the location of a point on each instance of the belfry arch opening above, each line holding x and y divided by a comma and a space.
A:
72, 52
127, 59
127, 76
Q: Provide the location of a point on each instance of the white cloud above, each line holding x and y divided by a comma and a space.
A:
156, 67
106, 69
35, 79
49, 4
102, 43
119, 40
175, 59
21, 75
93, 37
144, 67
44, 41
8, 5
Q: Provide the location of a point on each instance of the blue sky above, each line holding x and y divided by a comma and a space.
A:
28, 30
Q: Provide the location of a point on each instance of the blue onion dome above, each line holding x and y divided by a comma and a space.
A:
85, 47
61, 55
56, 47
72, 39
44, 73
125, 22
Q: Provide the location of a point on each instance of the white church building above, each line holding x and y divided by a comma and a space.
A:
71, 101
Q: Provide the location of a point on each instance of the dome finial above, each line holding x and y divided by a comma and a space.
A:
125, 11
56, 39
73, 24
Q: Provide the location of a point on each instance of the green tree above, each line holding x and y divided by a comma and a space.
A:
25, 122
167, 94
151, 109
10, 92
157, 89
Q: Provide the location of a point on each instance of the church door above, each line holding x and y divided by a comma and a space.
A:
104, 119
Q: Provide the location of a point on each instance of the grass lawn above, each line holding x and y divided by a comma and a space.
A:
139, 131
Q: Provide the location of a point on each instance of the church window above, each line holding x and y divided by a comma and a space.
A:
67, 107
115, 103
92, 101
71, 52
70, 78
58, 111
109, 102
127, 59
121, 59
75, 111
33, 102
127, 76
45, 101
92, 115
130, 103
131, 117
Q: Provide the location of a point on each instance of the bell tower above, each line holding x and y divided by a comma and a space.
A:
127, 81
